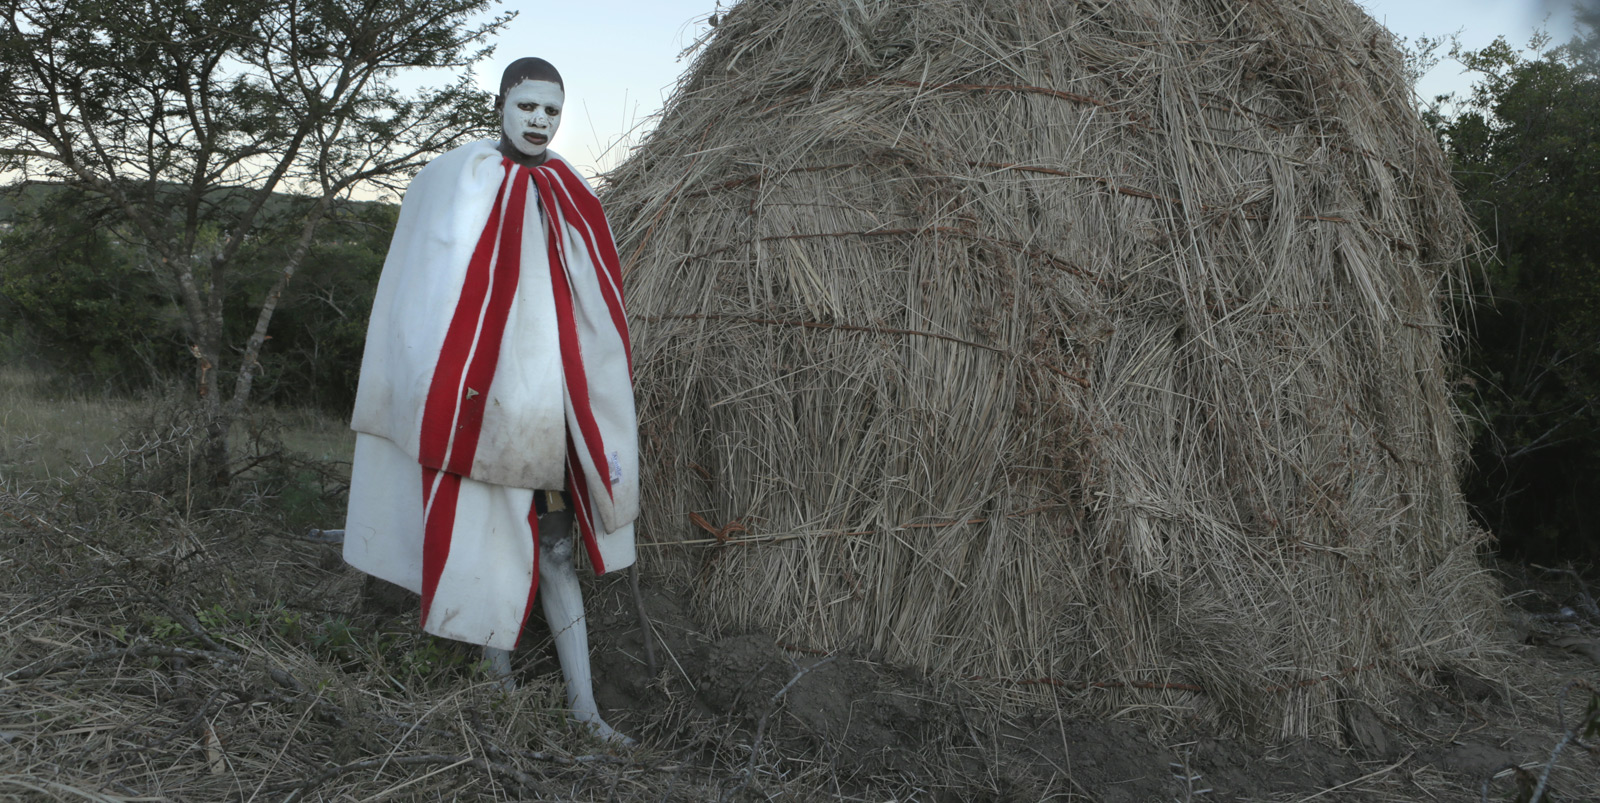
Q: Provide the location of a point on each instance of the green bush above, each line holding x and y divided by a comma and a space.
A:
1525, 153
81, 300
86, 305
320, 328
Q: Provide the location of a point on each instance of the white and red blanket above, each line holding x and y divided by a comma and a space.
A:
498, 350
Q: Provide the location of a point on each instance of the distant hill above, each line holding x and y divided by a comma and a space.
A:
23, 195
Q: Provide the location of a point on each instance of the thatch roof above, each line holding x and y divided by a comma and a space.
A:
1096, 342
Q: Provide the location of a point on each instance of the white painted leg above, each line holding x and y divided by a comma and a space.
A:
562, 598
500, 666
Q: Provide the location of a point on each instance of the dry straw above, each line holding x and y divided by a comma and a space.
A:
1099, 342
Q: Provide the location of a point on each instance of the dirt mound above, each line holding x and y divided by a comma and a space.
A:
911, 735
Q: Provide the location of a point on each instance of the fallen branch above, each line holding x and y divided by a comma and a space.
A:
192, 625
798, 675
646, 635
1574, 734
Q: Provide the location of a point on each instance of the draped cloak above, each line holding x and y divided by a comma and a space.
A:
497, 362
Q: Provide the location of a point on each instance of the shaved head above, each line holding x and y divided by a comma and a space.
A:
529, 69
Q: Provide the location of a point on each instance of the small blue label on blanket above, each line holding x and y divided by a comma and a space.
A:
616, 468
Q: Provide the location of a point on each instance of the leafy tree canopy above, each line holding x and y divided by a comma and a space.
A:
178, 120
1524, 148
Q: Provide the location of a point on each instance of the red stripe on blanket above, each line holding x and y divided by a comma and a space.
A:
438, 527
486, 351
579, 487
441, 414
609, 291
533, 583
589, 205
571, 349
579, 202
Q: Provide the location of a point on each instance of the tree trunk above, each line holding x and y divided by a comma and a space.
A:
249, 363
215, 463
216, 418
202, 305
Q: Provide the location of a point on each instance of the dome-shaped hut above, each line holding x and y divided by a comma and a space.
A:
1066, 344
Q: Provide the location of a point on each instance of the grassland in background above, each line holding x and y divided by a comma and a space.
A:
49, 432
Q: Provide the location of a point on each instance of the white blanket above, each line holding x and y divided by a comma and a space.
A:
500, 353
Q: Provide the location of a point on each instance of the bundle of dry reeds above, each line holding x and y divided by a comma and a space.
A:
1098, 343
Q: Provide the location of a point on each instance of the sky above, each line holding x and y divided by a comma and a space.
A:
621, 58
1477, 22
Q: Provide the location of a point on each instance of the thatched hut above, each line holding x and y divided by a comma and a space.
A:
1061, 345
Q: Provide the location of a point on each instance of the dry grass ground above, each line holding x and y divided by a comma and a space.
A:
48, 434
152, 652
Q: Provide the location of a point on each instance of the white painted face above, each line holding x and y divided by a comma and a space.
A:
530, 115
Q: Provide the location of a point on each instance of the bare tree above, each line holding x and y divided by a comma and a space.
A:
207, 124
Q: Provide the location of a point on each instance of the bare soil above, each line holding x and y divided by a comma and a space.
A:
870, 723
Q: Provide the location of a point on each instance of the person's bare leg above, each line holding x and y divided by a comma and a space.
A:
562, 598
500, 666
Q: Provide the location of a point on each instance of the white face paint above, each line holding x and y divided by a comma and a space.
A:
530, 115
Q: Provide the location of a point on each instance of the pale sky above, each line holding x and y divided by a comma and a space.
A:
1477, 21
621, 58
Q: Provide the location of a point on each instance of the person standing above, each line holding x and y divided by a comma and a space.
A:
495, 407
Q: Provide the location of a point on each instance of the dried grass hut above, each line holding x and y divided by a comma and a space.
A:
1061, 345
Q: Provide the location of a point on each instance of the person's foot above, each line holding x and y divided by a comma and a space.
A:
499, 667
601, 730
